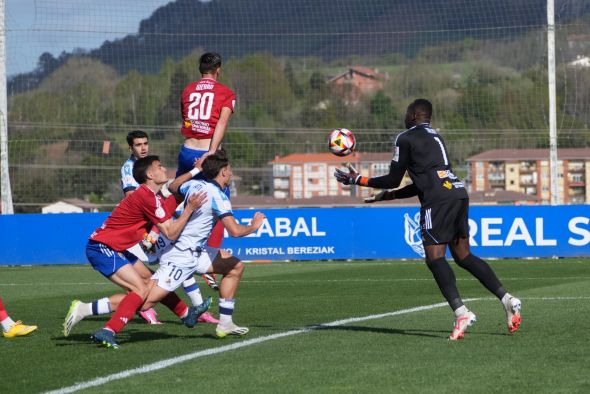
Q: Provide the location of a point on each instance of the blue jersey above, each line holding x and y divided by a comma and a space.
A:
128, 183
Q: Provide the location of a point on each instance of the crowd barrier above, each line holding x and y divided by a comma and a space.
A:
326, 233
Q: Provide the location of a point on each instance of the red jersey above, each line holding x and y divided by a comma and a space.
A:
132, 218
201, 106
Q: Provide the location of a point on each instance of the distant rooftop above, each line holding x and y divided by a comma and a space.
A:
530, 154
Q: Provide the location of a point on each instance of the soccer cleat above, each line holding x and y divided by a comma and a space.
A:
106, 338
18, 329
150, 316
231, 329
461, 324
191, 319
73, 317
207, 318
512, 308
211, 280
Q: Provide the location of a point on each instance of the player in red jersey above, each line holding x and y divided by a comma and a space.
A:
206, 107
107, 246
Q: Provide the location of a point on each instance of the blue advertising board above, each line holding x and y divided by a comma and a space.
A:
326, 233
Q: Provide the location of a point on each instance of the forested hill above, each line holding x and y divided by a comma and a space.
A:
310, 28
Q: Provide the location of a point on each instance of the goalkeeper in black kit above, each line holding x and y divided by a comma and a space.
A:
421, 151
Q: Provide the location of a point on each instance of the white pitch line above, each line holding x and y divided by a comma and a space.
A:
222, 349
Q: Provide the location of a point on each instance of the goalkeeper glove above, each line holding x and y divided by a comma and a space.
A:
350, 178
148, 243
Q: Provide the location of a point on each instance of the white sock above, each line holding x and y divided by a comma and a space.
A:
193, 291
461, 311
99, 307
7, 323
226, 310
85, 309
506, 298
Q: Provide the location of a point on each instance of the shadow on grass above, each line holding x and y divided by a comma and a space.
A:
396, 331
379, 330
131, 335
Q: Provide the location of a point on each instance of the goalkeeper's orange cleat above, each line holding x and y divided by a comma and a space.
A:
512, 308
461, 324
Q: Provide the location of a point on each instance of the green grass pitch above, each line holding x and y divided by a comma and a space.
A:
283, 304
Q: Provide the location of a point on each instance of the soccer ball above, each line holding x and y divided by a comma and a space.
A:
341, 142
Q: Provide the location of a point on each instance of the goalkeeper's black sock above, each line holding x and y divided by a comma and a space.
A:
484, 273
445, 278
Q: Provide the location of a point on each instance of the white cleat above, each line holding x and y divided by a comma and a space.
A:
73, 317
512, 308
461, 324
231, 329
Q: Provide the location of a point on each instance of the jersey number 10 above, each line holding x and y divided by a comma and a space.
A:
200, 105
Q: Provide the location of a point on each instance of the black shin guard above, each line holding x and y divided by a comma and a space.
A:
445, 278
484, 273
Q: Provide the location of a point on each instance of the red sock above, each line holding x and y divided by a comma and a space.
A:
3, 314
125, 312
175, 304
216, 236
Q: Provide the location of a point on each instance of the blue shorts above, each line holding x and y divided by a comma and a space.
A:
186, 162
186, 159
105, 260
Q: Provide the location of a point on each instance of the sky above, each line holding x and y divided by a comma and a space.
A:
37, 26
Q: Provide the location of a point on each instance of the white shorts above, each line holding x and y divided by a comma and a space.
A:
187, 261
170, 276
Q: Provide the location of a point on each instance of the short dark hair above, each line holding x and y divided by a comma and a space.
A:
132, 135
214, 163
209, 62
422, 106
141, 166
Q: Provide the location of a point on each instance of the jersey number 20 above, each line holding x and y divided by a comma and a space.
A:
200, 105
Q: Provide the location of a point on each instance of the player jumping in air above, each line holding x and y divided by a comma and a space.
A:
421, 151
206, 107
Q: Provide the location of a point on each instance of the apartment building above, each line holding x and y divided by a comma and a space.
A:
527, 171
309, 175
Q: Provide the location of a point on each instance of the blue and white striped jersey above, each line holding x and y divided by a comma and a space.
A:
199, 227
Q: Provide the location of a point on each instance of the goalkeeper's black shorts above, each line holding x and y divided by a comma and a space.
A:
442, 223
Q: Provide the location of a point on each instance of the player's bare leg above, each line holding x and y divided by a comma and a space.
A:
486, 276
232, 270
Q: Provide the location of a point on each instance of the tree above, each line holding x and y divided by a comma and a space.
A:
381, 111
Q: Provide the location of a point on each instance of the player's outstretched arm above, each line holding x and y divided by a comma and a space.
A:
237, 230
172, 228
